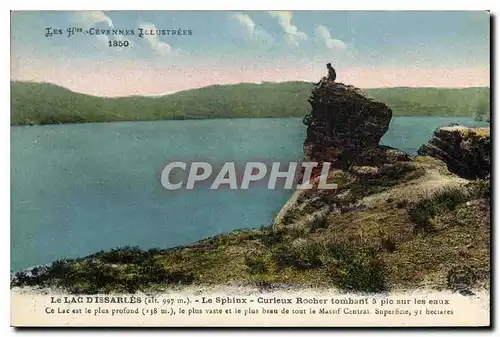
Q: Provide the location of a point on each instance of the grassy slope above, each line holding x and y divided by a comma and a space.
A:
403, 238
35, 103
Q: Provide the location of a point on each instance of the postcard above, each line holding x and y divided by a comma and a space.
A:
250, 168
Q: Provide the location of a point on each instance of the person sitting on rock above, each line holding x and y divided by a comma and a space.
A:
332, 75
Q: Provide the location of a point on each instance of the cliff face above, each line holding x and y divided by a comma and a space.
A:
466, 151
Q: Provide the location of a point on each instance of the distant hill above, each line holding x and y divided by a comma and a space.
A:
43, 103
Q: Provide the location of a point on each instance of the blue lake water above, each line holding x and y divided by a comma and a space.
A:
80, 188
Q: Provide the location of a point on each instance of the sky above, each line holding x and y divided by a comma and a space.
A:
368, 49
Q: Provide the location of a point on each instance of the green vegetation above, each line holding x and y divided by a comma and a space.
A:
482, 112
447, 199
351, 266
371, 247
42, 103
405, 101
126, 269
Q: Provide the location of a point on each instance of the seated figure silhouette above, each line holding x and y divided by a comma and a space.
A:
332, 75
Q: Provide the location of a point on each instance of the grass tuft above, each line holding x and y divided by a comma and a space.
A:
442, 201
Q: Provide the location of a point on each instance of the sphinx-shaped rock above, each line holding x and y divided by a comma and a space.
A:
344, 124
344, 128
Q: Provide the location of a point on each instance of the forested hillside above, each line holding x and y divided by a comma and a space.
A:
42, 103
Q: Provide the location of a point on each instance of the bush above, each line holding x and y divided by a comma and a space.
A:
256, 263
281, 235
156, 273
20, 279
301, 254
354, 268
95, 276
479, 189
272, 238
59, 268
445, 200
126, 254
40, 276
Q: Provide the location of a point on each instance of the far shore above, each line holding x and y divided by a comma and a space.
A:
226, 118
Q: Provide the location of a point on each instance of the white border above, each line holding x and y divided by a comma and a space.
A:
256, 5
190, 5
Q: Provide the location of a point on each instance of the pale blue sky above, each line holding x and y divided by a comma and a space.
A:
254, 45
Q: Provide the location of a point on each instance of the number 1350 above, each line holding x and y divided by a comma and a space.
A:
116, 43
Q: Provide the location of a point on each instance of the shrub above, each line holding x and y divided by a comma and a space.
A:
445, 200
40, 276
156, 273
21, 278
59, 268
95, 276
281, 235
301, 254
126, 254
479, 189
256, 263
354, 268
273, 237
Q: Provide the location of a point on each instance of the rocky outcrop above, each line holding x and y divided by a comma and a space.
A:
344, 125
407, 208
344, 128
466, 151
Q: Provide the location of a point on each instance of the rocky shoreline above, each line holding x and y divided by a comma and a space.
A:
395, 221
466, 151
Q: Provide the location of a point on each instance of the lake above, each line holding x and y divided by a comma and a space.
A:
80, 188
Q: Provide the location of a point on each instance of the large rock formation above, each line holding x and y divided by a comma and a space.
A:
409, 209
344, 128
343, 125
466, 151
